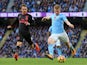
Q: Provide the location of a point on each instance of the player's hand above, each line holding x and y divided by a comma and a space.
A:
27, 23
72, 26
9, 26
44, 19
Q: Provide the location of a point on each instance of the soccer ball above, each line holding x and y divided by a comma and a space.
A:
61, 59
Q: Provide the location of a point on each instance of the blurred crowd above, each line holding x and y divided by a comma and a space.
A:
39, 36
3, 5
2, 32
82, 51
44, 5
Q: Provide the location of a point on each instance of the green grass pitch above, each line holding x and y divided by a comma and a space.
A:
42, 61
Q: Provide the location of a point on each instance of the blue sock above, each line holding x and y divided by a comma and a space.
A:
59, 51
51, 49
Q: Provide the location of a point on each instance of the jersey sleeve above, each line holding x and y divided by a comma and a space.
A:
31, 20
64, 18
18, 16
51, 16
50, 29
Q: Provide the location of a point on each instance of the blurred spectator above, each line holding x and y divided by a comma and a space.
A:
82, 51
73, 8
3, 5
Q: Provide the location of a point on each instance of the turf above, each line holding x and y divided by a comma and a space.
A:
42, 61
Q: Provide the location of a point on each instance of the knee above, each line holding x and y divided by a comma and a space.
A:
51, 41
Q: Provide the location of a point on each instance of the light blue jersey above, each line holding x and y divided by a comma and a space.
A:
50, 29
58, 23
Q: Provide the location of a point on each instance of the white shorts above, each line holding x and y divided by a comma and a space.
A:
57, 43
60, 37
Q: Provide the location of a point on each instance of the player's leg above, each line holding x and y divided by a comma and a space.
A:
50, 49
16, 56
51, 44
27, 37
58, 47
20, 41
64, 37
18, 45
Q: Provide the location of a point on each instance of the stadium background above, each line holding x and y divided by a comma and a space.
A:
8, 37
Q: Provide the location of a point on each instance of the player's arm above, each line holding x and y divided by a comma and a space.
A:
46, 18
14, 22
69, 24
48, 34
30, 20
49, 31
